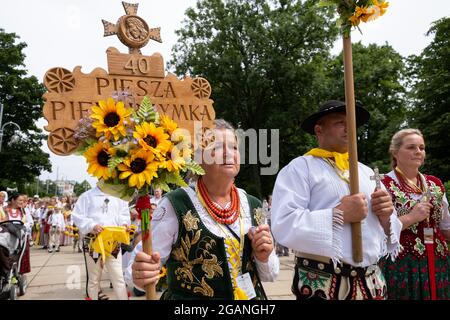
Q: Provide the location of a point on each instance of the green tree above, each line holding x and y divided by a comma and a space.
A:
265, 61
21, 97
79, 188
430, 111
379, 75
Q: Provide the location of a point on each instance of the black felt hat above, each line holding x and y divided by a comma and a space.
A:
362, 115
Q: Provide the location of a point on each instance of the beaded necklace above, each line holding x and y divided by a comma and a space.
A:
221, 215
233, 247
409, 185
14, 214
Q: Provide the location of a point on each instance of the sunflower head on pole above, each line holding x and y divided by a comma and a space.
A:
132, 149
352, 12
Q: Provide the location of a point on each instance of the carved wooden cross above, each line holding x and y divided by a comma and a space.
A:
131, 29
377, 177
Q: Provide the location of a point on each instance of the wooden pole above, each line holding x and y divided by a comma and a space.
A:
147, 247
352, 145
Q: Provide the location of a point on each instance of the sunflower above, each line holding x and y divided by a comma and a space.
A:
370, 14
176, 159
110, 118
97, 157
354, 20
139, 169
168, 124
152, 138
381, 5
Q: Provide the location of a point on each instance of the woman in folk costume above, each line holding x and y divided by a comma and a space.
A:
14, 211
207, 235
422, 270
312, 213
67, 234
45, 225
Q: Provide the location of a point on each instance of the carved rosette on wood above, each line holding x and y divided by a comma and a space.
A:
71, 94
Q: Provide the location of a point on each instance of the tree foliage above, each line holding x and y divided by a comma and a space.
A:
21, 97
79, 188
379, 76
265, 61
430, 110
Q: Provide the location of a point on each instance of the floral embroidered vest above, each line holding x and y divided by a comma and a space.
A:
197, 267
412, 238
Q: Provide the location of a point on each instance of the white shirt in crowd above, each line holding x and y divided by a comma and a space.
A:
96, 207
57, 220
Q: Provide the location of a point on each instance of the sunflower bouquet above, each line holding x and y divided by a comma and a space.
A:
352, 12
131, 150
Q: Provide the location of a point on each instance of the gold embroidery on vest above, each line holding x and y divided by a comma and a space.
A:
208, 261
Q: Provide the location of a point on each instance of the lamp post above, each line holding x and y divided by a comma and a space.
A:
2, 127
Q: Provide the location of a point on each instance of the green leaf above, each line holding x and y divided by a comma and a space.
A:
84, 146
121, 153
326, 3
195, 168
146, 111
159, 183
113, 162
175, 178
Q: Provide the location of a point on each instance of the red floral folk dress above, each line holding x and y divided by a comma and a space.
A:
408, 276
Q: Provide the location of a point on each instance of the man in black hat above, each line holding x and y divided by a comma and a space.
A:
312, 212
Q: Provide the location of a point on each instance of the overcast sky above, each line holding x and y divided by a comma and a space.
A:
69, 33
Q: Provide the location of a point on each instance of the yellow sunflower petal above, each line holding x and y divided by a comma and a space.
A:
141, 180
132, 181
125, 174
96, 110
103, 106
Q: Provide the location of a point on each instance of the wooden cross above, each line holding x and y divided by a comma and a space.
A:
377, 177
426, 196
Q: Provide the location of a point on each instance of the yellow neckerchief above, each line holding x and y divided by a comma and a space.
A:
234, 249
108, 240
340, 159
344, 175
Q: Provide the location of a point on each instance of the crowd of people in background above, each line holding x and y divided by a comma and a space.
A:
50, 225
48, 220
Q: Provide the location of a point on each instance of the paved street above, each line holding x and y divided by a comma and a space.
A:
62, 275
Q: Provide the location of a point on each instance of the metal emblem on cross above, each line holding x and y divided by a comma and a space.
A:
377, 177
260, 216
426, 196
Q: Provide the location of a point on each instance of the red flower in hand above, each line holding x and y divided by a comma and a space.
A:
143, 203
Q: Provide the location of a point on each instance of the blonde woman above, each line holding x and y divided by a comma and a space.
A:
422, 269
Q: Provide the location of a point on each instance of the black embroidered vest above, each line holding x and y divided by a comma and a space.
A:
197, 267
